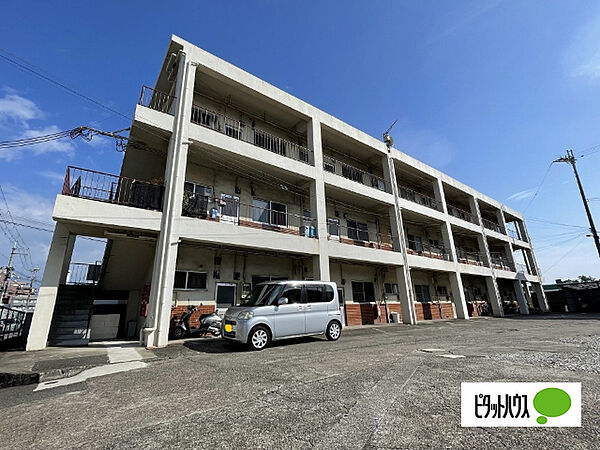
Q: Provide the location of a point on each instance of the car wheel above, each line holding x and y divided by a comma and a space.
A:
178, 333
259, 338
334, 330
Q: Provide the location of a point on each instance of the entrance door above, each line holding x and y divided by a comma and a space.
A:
230, 208
225, 295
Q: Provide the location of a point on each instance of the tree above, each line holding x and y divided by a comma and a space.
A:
586, 278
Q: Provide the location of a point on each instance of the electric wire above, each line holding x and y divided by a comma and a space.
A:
537, 191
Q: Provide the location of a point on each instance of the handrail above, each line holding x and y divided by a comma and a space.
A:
461, 213
84, 273
361, 237
417, 197
475, 258
104, 187
428, 250
157, 100
350, 172
11, 323
490, 225
238, 129
499, 260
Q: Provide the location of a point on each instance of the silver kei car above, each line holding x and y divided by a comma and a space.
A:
284, 309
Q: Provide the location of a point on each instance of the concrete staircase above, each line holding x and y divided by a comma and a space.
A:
70, 321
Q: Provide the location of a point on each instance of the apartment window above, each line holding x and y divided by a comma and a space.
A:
333, 228
363, 292
268, 212
357, 230
189, 280
442, 291
314, 294
415, 243
391, 288
422, 293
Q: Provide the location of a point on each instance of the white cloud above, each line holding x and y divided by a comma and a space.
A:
522, 195
13, 108
55, 177
582, 56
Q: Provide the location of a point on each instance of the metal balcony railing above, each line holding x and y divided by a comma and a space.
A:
461, 214
428, 250
360, 237
500, 261
352, 173
492, 226
238, 129
84, 273
104, 187
422, 199
232, 211
514, 234
11, 323
469, 257
156, 100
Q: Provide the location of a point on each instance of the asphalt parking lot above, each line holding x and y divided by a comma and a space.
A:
378, 387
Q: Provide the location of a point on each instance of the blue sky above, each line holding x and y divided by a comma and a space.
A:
488, 91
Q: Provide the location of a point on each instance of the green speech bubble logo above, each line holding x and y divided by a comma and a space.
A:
552, 402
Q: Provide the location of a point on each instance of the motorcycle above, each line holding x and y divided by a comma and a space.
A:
209, 323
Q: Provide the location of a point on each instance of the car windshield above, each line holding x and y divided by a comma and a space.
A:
261, 295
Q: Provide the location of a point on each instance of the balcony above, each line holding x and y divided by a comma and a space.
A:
238, 129
360, 236
84, 273
417, 247
233, 212
469, 257
352, 173
492, 226
156, 100
462, 214
107, 188
500, 261
416, 197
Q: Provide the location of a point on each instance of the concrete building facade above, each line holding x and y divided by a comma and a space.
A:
228, 181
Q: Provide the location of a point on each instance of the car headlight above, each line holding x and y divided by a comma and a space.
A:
245, 315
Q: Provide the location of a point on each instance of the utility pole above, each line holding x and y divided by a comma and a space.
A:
9, 269
570, 159
34, 272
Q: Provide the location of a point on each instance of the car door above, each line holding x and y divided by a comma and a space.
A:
316, 308
289, 319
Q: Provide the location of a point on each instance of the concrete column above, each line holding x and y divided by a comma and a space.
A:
528, 296
510, 257
59, 255
494, 296
501, 220
523, 306
318, 202
67, 261
458, 293
156, 333
405, 289
483, 250
541, 296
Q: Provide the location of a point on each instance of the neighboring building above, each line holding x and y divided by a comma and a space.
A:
17, 294
228, 181
573, 296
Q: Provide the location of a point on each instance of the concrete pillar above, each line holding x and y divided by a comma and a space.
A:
67, 261
318, 203
494, 296
440, 197
510, 257
405, 289
501, 220
156, 333
458, 296
541, 296
483, 250
528, 296
523, 306
59, 256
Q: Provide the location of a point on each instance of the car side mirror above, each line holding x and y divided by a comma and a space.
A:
283, 301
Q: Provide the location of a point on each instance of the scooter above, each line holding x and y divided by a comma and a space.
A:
209, 323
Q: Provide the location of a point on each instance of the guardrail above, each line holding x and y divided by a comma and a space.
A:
492, 226
499, 261
238, 129
352, 173
84, 273
11, 323
360, 237
157, 100
422, 199
428, 250
466, 257
232, 211
104, 187
461, 214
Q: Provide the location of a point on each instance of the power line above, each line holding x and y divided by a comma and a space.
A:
565, 255
538, 188
536, 219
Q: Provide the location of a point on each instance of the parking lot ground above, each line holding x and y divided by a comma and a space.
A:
377, 387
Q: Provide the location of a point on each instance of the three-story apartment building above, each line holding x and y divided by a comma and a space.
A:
228, 181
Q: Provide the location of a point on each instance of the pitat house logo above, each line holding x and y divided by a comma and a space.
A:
521, 404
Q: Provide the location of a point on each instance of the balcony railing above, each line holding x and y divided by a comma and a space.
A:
104, 187
461, 214
11, 323
360, 237
352, 173
238, 129
84, 273
513, 234
232, 211
428, 250
492, 226
500, 261
422, 199
156, 100
469, 257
